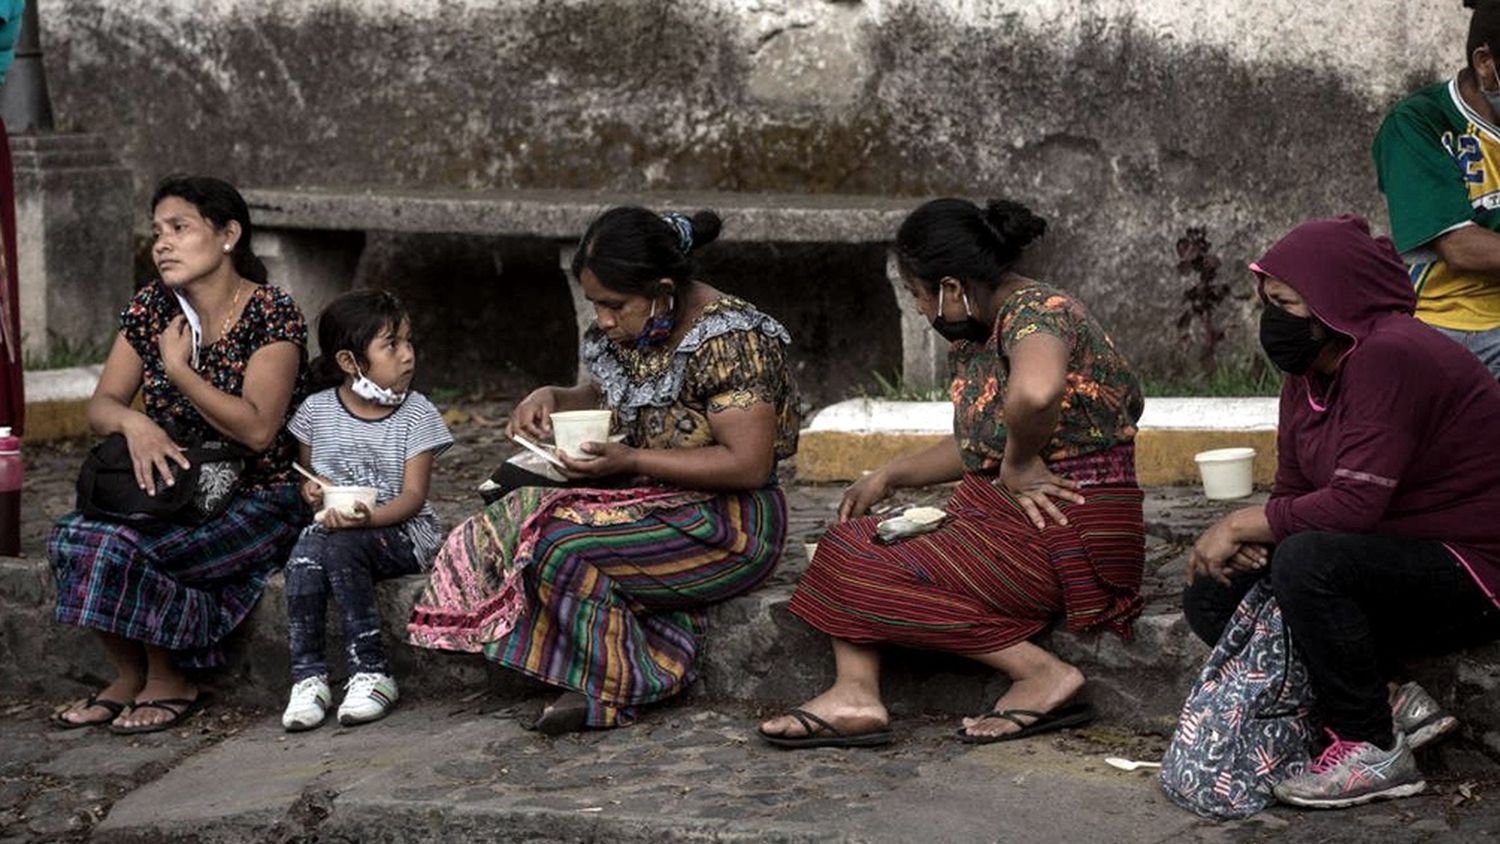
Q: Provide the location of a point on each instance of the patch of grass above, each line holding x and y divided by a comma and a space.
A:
444, 395
896, 388
1254, 379
62, 353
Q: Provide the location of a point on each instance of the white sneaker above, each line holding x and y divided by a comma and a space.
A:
367, 697
308, 705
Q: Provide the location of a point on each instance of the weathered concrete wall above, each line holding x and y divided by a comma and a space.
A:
1124, 122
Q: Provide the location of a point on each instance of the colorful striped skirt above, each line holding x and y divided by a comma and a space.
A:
179, 588
987, 579
599, 591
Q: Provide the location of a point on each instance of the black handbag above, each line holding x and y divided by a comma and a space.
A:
107, 488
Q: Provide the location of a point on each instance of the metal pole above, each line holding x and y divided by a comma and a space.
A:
24, 103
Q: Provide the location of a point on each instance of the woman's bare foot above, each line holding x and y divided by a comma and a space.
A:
850, 711
175, 687
1041, 691
121, 692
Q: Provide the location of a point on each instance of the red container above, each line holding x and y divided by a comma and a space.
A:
10, 493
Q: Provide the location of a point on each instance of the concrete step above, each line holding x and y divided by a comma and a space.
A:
758, 654
682, 775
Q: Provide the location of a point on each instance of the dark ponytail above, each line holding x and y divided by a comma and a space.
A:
1484, 29
956, 238
351, 322
218, 202
631, 249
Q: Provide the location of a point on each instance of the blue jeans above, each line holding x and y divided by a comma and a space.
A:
346, 563
1484, 344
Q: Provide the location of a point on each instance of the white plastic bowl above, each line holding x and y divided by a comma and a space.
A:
1227, 472
572, 428
343, 498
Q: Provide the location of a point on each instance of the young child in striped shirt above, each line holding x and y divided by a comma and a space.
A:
366, 428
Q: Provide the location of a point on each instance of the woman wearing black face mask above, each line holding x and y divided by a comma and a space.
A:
1383, 512
1046, 524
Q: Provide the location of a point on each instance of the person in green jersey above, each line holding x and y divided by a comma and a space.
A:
1437, 156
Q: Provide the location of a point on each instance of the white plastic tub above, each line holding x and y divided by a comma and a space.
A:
1227, 472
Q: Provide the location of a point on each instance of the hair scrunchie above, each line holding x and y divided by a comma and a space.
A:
684, 228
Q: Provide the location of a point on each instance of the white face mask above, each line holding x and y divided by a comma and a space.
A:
372, 392
1492, 97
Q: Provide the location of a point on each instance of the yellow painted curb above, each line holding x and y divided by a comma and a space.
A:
1162, 456
826, 456
56, 420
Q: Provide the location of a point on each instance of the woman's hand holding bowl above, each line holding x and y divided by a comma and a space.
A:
611, 459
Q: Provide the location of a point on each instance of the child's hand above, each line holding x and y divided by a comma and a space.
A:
336, 520
312, 493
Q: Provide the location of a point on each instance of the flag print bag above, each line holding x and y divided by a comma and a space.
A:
1247, 725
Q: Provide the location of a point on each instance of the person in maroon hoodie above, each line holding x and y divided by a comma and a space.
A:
1382, 533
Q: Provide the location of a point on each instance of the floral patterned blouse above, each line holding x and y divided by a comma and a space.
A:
269, 316
1101, 402
731, 356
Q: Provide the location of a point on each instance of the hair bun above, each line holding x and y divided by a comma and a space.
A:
706, 226
1014, 223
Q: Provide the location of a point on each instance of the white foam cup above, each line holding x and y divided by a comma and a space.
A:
572, 428
343, 498
1227, 472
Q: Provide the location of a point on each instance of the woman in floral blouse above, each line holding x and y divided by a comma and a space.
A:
1045, 525
602, 591
215, 353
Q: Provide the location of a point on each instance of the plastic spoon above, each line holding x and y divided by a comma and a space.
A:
310, 476
1129, 764
538, 451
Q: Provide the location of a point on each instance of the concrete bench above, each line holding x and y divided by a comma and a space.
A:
311, 238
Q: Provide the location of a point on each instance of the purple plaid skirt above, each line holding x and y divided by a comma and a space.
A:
179, 588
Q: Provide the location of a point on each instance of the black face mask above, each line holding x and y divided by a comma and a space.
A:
953, 331
1288, 340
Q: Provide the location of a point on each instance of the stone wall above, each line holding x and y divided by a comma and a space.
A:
1123, 122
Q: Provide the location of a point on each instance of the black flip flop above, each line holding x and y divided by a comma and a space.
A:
168, 704
820, 733
113, 707
1070, 715
568, 714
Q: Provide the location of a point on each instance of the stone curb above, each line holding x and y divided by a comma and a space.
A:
57, 402
758, 653
855, 436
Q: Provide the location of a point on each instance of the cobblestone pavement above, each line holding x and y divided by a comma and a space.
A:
461, 769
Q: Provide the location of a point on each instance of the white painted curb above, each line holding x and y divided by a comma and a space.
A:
880, 416
72, 384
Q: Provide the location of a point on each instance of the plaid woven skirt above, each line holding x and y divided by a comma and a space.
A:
179, 588
987, 579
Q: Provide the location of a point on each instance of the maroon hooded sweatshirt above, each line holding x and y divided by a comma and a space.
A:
1402, 438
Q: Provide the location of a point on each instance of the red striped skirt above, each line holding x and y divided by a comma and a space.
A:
987, 579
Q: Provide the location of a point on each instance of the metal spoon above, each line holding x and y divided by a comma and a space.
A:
1129, 764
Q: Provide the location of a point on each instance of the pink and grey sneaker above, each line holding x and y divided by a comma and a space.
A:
1421, 718
1349, 773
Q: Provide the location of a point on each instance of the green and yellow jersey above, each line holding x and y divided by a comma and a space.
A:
1438, 163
